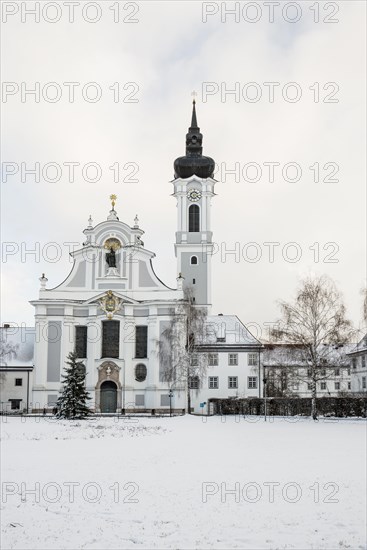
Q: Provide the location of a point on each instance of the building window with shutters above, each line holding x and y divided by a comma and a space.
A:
233, 382
252, 359
194, 382
81, 333
233, 359
111, 339
194, 219
252, 382
213, 359
141, 341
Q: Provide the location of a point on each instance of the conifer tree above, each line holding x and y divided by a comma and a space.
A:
72, 403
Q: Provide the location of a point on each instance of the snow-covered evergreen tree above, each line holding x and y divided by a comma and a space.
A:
72, 403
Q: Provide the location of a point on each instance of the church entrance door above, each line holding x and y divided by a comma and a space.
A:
108, 397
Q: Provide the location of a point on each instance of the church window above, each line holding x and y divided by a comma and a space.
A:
194, 382
232, 382
252, 359
194, 260
213, 359
110, 338
81, 341
140, 372
194, 218
141, 341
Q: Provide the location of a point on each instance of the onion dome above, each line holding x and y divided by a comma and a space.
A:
194, 162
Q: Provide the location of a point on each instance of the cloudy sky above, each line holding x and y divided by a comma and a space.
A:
145, 72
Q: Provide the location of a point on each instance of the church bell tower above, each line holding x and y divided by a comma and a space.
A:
194, 188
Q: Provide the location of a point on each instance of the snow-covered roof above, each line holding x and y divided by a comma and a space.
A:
360, 347
17, 346
289, 355
228, 330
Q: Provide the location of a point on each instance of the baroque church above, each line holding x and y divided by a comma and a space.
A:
112, 310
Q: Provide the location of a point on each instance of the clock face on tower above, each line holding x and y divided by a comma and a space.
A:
194, 195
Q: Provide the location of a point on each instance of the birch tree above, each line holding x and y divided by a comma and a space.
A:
315, 324
184, 366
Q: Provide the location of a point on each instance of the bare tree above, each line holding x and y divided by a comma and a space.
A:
364, 305
287, 366
315, 324
8, 351
184, 366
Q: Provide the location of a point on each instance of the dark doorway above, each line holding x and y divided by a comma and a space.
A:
108, 397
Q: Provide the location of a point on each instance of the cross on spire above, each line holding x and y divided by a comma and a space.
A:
194, 95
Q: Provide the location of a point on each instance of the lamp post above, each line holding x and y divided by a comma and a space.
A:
170, 395
265, 381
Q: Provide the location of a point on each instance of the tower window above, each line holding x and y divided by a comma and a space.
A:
194, 218
193, 281
194, 260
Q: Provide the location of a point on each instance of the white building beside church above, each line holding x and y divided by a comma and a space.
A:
112, 309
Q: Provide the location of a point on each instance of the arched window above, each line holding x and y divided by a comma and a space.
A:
194, 218
194, 260
140, 372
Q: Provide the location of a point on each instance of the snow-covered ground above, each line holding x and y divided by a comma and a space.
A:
161, 483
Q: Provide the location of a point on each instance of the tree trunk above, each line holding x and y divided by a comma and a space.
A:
188, 400
313, 398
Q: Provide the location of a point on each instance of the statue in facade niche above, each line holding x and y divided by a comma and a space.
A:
111, 258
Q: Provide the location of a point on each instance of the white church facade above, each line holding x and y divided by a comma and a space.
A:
112, 310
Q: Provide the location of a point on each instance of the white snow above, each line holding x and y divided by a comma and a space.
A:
163, 463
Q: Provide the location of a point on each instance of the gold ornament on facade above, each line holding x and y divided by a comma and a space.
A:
113, 243
110, 304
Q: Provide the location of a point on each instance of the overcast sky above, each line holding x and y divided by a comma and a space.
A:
169, 52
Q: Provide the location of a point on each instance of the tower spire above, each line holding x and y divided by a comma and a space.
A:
194, 123
194, 162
